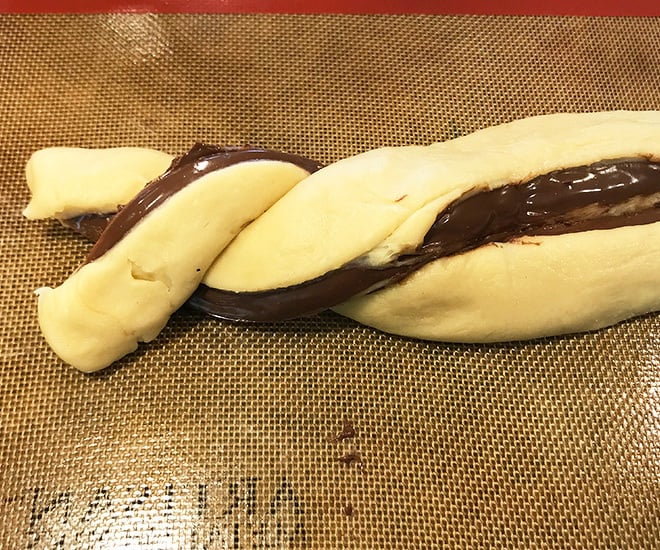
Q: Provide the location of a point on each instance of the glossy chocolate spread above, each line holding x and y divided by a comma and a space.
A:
90, 226
603, 195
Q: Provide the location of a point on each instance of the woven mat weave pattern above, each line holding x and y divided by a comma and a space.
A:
221, 435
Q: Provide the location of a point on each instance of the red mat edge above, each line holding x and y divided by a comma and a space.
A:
449, 7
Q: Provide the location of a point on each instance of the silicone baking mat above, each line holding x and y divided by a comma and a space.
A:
317, 433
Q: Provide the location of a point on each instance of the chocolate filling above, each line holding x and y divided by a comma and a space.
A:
89, 226
603, 195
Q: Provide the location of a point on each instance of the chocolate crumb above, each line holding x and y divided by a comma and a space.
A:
525, 242
347, 432
351, 458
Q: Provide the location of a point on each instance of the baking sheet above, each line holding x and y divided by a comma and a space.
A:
221, 435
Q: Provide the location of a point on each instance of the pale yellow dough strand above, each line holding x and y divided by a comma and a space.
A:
65, 182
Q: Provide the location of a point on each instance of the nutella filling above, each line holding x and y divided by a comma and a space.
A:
604, 195
89, 226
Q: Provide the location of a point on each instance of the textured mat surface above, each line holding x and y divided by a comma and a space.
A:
316, 433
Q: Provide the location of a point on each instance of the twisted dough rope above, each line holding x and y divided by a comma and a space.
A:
371, 209
126, 294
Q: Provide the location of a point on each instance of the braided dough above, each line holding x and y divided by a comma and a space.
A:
375, 207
